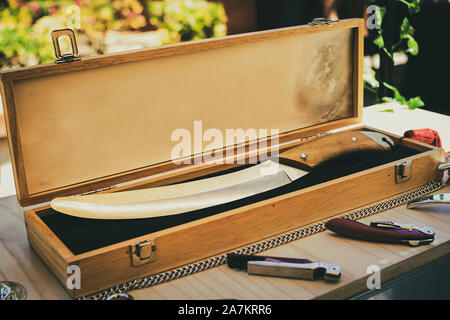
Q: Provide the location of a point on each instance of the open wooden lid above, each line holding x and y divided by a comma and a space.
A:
78, 126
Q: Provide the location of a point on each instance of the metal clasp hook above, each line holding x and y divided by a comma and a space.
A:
320, 21
68, 57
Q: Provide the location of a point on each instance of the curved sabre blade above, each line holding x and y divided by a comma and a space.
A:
185, 197
169, 206
181, 189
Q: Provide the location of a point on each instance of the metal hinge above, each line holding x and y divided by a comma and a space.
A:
320, 21
403, 171
143, 252
445, 165
68, 57
95, 191
315, 136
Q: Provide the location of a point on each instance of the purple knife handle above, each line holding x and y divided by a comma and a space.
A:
239, 261
361, 231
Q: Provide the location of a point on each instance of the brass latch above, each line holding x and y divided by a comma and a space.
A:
143, 252
403, 171
67, 57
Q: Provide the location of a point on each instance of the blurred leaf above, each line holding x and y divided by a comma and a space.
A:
379, 41
413, 46
388, 99
413, 5
380, 14
189, 20
406, 29
406, 43
385, 50
25, 26
369, 77
414, 103
397, 96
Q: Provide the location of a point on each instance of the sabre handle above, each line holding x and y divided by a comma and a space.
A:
311, 153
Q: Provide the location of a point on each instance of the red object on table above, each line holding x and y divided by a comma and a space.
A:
427, 135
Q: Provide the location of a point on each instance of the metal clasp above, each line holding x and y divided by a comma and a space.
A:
446, 165
320, 21
143, 252
403, 171
387, 225
399, 225
68, 57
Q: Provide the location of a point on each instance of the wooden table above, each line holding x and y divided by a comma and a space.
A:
19, 263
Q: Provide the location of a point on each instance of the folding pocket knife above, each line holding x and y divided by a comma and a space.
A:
284, 267
382, 231
436, 199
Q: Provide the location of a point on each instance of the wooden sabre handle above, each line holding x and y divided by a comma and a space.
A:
312, 153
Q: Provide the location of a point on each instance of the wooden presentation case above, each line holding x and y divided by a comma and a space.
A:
104, 124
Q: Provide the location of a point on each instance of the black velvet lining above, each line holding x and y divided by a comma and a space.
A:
83, 235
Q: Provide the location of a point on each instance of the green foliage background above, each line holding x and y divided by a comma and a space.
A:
25, 26
406, 43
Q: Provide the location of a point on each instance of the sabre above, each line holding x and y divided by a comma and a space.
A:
295, 163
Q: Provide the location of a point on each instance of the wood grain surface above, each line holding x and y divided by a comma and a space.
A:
179, 245
311, 154
20, 263
353, 256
